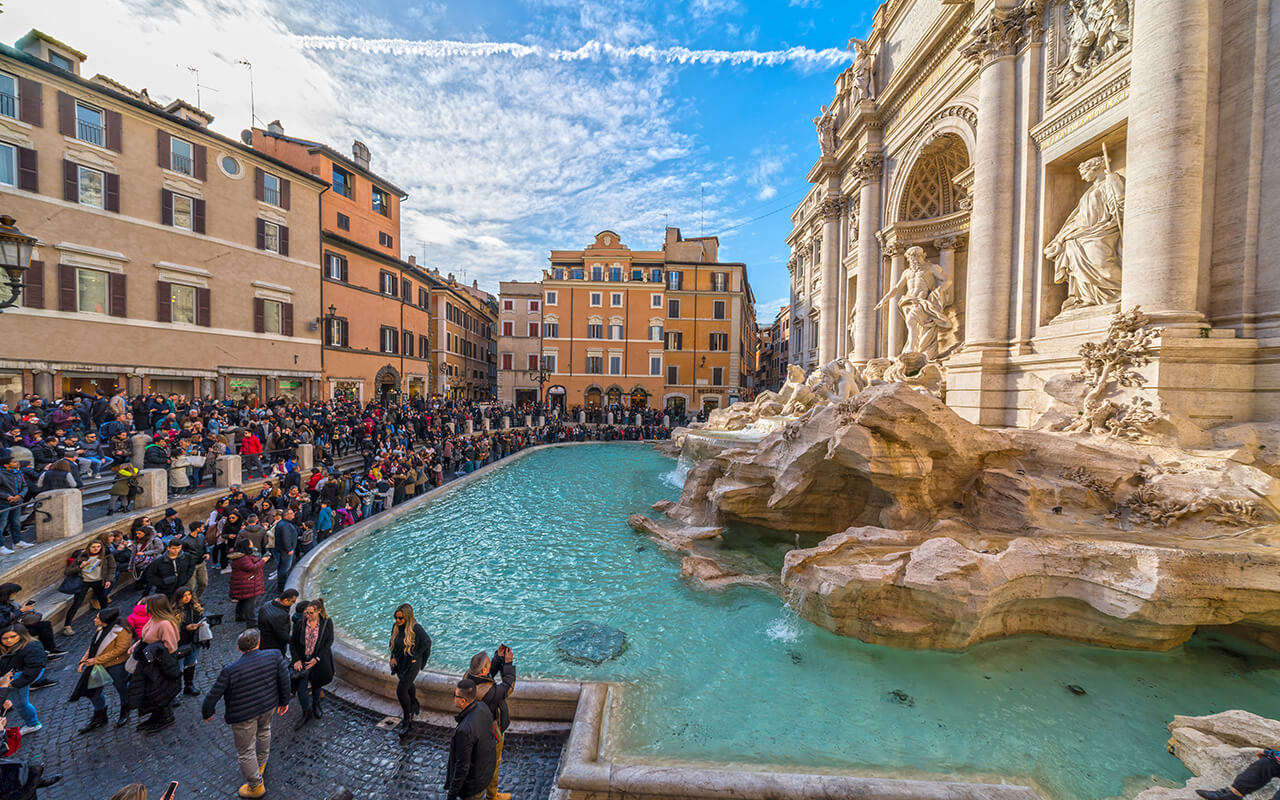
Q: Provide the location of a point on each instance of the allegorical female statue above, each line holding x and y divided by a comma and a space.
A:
1087, 250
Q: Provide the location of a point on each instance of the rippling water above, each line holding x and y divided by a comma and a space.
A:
538, 544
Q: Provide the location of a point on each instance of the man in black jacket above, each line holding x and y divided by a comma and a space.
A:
256, 685
274, 621
170, 526
171, 570
494, 695
473, 753
286, 546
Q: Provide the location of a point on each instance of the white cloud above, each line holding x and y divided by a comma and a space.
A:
769, 165
805, 3
765, 312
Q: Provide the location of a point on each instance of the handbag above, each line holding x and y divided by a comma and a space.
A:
195, 461
203, 634
98, 677
71, 584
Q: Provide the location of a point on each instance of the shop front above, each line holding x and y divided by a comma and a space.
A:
10, 388
292, 389
243, 388
90, 382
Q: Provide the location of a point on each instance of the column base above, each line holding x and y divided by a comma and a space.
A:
978, 387
1204, 373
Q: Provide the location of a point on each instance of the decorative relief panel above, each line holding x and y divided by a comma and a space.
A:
1084, 34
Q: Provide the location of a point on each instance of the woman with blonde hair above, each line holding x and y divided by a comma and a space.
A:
410, 648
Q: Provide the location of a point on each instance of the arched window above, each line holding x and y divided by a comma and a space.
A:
931, 190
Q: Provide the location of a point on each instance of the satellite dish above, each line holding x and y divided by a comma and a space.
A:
246, 136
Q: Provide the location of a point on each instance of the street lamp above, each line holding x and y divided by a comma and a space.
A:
541, 376
15, 258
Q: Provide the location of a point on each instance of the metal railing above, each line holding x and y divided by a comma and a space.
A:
181, 163
89, 132
271, 195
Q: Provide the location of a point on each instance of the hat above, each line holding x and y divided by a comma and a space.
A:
9, 588
169, 512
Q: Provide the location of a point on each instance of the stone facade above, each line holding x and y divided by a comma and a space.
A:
519, 341
995, 137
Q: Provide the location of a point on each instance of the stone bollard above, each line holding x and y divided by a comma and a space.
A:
637, 422
528, 421
609, 418
453, 428
139, 442
228, 473
306, 458
65, 514
469, 426
155, 488
582, 418
506, 422
666, 420
542, 421
486, 425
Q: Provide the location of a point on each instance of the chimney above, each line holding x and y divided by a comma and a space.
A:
360, 153
413, 261
275, 128
475, 285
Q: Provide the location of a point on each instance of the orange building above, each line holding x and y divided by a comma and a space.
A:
375, 306
667, 328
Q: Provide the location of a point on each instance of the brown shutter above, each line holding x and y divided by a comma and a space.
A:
112, 199
166, 207
284, 241
31, 102
197, 215
344, 269
66, 288
259, 316
284, 194
28, 170
406, 290
33, 286
286, 318
259, 183
70, 182
114, 139
262, 234
163, 148
202, 307
164, 302
118, 301
345, 329
200, 157
66, 114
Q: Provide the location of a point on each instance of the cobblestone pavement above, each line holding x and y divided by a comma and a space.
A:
344, 748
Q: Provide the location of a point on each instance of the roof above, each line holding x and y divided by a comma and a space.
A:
38, 34
142, 105
347, 161
178, 103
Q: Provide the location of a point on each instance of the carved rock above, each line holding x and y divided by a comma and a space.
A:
714, 575
1216, 748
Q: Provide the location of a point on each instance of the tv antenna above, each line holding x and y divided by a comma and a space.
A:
702, 211
253, 113
199, 86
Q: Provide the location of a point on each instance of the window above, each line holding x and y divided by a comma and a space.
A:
335, 266
406, 290
615, 274
91, 187
720, 281
182, 303
91, 291
90, 126
673, 309
655, 274
596, 298
557, 273
424, 346
597, 272
343, 182
344, 222
675, 280
595, 365
8, 164
615, 365
533, 305
575, 274
549, 363
675, 340
387, 339
271, 189
230, 165
61, 62
718, 341
508, 328
673, 374
551, 298
551, 330
381, 202
615, 298
615, 332
508, 305
717, 376
336, 332
815, 332
272, 316
595, 331
182, 211
533, 330
655, 301
384, 239
271, 237
717, 309
408, 343
8, 95
655, 365
508, 361
637, 274
655, 333
181, 156
532, 361
424, 298
387, 283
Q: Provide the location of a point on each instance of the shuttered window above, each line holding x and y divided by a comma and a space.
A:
33, 286
336, 332
335, 267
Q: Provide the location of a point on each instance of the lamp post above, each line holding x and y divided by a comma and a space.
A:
15, 258
541, 376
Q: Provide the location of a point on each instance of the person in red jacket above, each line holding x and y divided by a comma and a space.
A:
251, 453
248, 585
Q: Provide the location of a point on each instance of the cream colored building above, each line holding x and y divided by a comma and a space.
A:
170, 258
971, 130
519, 341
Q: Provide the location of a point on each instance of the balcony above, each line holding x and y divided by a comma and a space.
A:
271, 195
180, 163
91, 133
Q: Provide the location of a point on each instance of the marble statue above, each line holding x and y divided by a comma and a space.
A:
873, 372
924, 299
864, 75
918, 372
1096, 30
826, 125
1110, 365
1087, 250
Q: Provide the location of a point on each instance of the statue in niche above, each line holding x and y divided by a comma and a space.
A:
826, 125
1087, 250
924, 299
864, 75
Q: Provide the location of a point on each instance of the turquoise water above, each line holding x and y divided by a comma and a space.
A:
538, 544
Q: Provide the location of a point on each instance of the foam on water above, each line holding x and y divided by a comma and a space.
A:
783, 629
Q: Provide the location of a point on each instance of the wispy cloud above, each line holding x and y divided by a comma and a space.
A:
592, 50
765, 312
769, 165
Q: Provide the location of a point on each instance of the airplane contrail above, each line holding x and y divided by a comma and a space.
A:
591, 50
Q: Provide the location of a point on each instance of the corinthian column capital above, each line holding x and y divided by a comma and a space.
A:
830, 208
1004, 31
867, 169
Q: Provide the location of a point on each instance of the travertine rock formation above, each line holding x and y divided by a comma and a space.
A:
1216, 748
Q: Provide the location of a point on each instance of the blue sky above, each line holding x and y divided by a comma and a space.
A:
550, 121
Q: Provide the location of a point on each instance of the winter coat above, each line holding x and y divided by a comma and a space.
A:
273, 625
418, 655
322, 672
26, 664
495, 695
12, 483
126, 483
246, 577
167, 574
107, 571
155, 457
473, 753
157, 680
109, 646
252, 685
178, 473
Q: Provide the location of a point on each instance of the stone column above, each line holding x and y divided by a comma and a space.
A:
134, 383
895, 326
220, 387
869, 261
1164, 190
206, 387
270, 390
43, 383
609, 419
155, 488
65, 514
228, 471
139, 442
666, 420
831, 321
947, 255
306, 457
